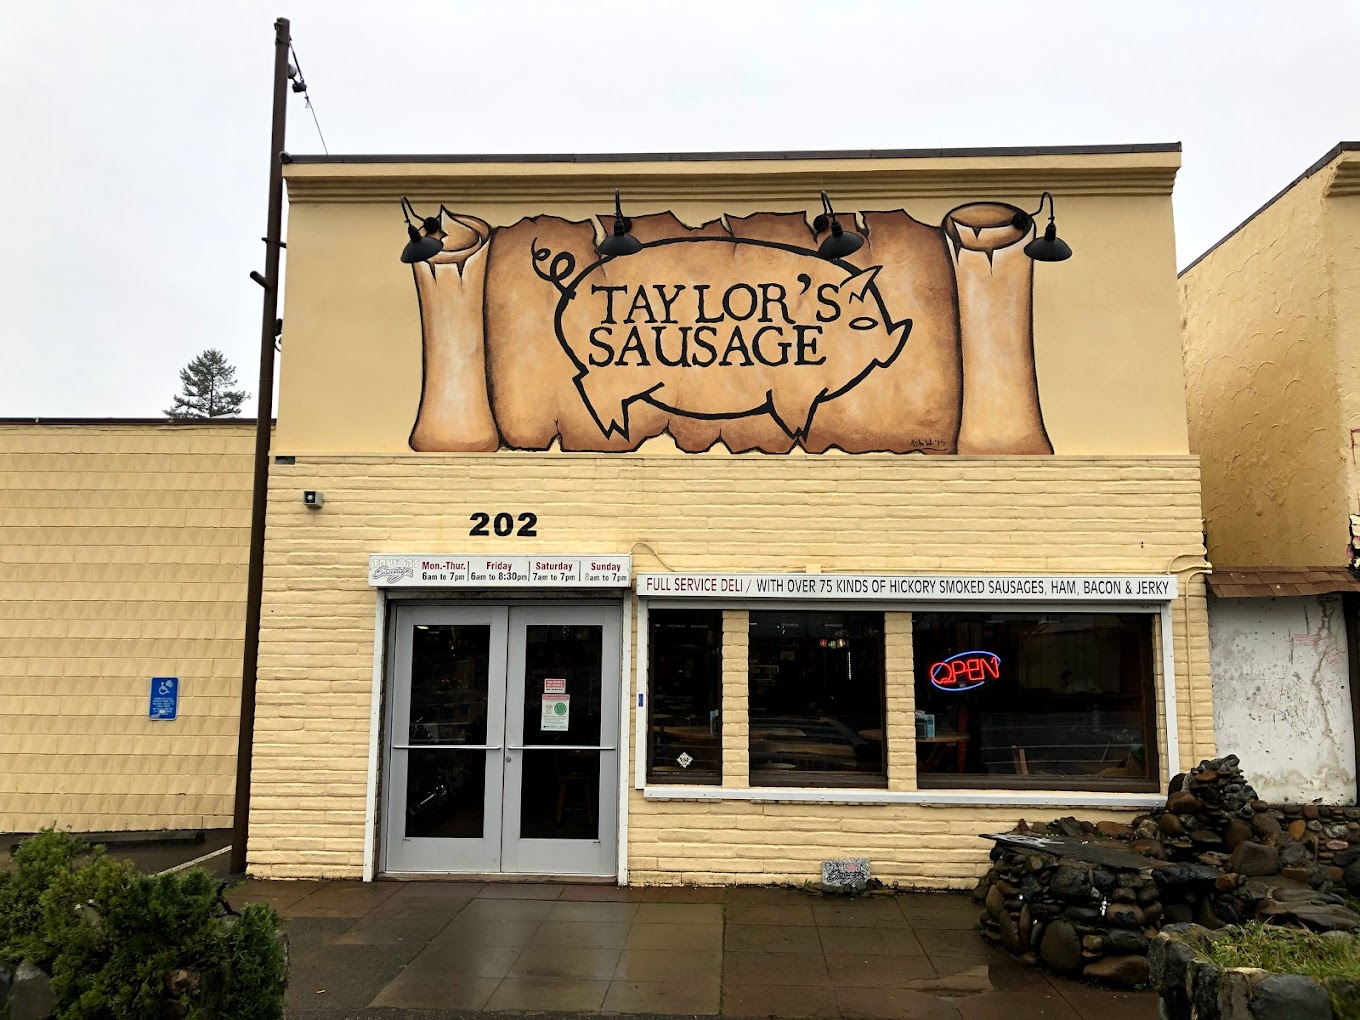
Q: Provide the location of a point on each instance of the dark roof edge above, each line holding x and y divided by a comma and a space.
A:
1330, 155
692, 157
128, 421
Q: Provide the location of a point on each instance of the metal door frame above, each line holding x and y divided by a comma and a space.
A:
597, 857
430, 856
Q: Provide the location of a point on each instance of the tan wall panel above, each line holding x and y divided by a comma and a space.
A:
123, 555
1263, 399
1343, 215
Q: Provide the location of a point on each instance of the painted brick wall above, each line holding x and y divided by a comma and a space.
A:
708, 512
123, 555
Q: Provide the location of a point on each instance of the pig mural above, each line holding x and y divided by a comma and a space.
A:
731, 333
683, 326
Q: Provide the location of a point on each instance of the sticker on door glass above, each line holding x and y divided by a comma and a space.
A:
554, 686
556, 712
685, 760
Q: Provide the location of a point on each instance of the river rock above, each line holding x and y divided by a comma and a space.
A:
1297, 828
1266, 826
1179, 913
30, 995
1204, 984
1010, 936
1317, 916
1149, 848
1070, 884
1205, 840
1060, 948
1126, 970
1255, 859
995, 902
1351, 876
1174, 875
1124, 915
1121, 940
1114, 830
1290, 997
1183, 802
1294, 855
1235, 832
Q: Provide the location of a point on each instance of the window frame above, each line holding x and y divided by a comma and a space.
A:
644, 746
1167, 737
829, 779
1037, 783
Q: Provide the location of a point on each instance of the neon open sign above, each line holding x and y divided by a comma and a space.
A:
966, 670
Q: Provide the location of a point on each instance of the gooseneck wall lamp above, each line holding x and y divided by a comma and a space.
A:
422, 246
840, 242
621, 241
1049, 247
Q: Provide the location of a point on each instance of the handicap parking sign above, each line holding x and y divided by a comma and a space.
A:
164, 697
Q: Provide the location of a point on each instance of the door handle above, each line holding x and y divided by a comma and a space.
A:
557, 747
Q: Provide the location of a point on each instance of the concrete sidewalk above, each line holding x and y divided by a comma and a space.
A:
375, 952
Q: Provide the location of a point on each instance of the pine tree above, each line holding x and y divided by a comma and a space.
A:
206, 388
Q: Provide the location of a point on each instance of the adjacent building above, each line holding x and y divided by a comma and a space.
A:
1272, 346
123, 548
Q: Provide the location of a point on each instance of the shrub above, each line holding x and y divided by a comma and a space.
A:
120, 944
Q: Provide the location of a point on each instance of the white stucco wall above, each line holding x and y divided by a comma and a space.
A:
1282, 695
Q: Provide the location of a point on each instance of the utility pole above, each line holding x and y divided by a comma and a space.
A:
264, 416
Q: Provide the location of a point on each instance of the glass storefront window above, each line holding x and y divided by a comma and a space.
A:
1057, 700
684, 679
816, 699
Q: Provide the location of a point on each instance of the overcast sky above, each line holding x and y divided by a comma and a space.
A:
134, 135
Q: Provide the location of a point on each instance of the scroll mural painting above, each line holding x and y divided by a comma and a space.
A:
734, 332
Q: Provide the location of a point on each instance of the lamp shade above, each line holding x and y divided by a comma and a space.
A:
620, 242
1049, 248
420, 249
839, 243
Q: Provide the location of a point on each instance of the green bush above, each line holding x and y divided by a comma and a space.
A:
119, 943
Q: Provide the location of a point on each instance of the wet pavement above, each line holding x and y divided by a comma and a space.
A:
436, 949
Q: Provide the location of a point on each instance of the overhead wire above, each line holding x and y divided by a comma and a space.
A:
300, 85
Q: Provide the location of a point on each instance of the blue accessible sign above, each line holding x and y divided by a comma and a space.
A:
164, 698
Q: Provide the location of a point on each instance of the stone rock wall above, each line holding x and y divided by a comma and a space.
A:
1192, 986
1087, 898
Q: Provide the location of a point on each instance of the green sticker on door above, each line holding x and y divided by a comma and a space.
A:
556, 712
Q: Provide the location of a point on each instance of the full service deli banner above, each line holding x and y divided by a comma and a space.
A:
733, 332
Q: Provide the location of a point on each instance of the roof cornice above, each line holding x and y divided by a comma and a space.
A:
1346, 180
795, 177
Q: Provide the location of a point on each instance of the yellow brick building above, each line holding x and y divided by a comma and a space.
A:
1271, 323
122, 557
711, 557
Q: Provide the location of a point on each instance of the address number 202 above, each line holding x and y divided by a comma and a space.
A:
503, 525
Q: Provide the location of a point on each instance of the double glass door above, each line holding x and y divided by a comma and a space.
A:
502, 740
